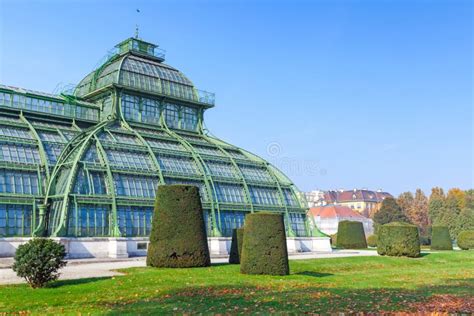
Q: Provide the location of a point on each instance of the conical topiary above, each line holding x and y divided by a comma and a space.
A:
350, 235
264, 248
440, 239
236, 245
178, 235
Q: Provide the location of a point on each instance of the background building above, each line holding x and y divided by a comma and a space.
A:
327, 218
363, 201
88, 164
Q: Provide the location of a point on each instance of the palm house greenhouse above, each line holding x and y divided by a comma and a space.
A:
87, 163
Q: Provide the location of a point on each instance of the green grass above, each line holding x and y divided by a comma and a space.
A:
318, 286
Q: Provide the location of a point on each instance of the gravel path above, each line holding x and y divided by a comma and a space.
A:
96, 268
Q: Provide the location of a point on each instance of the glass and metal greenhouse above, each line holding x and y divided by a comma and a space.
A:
87, 163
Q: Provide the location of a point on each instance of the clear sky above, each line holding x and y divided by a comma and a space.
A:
338, 94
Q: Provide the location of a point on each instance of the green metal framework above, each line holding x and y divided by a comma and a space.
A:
97, 156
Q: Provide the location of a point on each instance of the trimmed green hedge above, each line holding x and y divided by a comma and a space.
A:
466, 240
440, 239
178, 235
398, 239
372, 241
264, 248
236, 245
350, 235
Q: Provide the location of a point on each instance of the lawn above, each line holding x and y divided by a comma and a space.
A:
436, 281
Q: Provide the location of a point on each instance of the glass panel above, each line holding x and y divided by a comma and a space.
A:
162, 144
16, 220
230, 220
255, 174
15, 132
208, 150
297, 224
134, 221
50, 136
135, 186
19, 154
171, 114
220, 169
52, 151
229, 193
264, 196
176, 164
89, 220
19, 182
190, 118
290, 198
127, 159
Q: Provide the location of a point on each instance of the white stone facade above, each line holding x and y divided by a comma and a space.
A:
137, 246
329, 225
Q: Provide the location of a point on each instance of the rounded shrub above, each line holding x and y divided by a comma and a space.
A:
350, 235
466, 240
372, 241
39, 260
178, 235
440, 239
398, 239
236, 245
264, 248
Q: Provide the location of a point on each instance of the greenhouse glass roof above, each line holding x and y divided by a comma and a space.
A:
88, 164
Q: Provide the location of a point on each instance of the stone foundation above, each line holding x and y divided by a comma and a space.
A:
137, 246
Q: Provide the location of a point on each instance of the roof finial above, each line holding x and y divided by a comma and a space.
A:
136, 26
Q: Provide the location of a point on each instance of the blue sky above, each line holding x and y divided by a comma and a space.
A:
338, 94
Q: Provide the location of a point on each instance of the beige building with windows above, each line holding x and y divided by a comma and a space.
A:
363, 201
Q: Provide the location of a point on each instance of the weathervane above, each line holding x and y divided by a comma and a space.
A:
136, 26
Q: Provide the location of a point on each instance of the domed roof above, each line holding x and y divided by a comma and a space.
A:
142, 71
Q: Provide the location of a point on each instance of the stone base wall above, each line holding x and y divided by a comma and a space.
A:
137, 246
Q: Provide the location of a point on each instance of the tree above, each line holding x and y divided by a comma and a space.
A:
455, 202
436, 204
465, 220
418, 211
457, 197
389, 212
405, 200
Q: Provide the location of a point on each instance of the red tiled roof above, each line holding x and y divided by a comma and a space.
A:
355, 195
330, 211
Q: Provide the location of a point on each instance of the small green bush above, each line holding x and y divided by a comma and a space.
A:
372, 241
333, 240
178, 235
398, 239
264, 248
350, 235
440, 239
39, 260
466, 240
236, 245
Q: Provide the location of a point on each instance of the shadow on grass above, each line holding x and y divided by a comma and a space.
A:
250, 299
314, 274
61, 283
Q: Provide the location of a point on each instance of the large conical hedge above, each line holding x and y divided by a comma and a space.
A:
440, 239
264, 248
236, 245
350, 235
178, 235
398, 239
